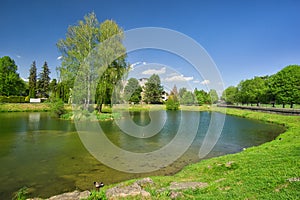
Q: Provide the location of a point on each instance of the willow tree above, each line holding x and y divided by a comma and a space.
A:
112, 53
92, 60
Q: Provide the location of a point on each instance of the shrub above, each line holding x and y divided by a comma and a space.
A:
12, 99
172, 103
57, 107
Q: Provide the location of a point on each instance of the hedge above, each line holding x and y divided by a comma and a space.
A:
12, 99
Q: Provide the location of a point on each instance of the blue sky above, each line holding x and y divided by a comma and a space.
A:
244, 38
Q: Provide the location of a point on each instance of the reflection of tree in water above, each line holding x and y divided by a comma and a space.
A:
34, 120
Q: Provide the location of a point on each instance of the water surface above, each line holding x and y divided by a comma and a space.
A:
47, 156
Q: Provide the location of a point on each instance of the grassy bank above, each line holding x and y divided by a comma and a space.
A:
24, 107
268, 171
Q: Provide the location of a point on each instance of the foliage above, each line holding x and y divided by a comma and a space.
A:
252, 90
282, 87
12, 99
285, 85
10, 82
79, 42
230, 95
153, 90
172, 103
24, 107
63, 91
181, 92
187, 98
53, 88
113, 55
132, 91
213, 96
202, 97
32, 80
21, 194
57, 107
44, 82
97, 68
97, 195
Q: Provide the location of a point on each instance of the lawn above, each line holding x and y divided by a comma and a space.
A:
268, 171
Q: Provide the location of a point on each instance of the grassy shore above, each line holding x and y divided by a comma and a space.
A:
268, 171
24, 107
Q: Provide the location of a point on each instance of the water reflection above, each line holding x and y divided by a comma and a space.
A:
33, 120
46, 154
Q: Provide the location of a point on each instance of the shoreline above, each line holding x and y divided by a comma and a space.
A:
242, 174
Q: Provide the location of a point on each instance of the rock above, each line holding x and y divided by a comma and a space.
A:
186, 185
126, 191
145, 181
71, 195
295, 179
75, 195
229, 164
175, 195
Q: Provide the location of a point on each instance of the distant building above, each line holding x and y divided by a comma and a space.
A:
142, 81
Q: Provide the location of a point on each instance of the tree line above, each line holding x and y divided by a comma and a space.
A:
280, 88
38, 85
153, 93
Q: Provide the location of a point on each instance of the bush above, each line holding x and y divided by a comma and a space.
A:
57, 107
172, 103
12, 99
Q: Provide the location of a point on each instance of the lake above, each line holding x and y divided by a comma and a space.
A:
47, 156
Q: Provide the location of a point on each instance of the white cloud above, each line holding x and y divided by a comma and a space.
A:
205, 82
172, 74
179, 78
59, 57
135, 64
18, 56
154, 71
196, 81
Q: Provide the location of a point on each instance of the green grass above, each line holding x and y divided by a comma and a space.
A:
260, 172
24, 107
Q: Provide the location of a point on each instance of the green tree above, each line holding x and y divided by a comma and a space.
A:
213, 96
80, 40
95, 66
285, 85
229, 95
53, 88
181, 92
44, 81
32, 80
187, 98
153, 90
253, 90
10, 82
173, 102
132, 91
113, 54
201, 97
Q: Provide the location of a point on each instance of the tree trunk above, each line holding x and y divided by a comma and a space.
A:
273, 105
292, 105
283, 105
99, 107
